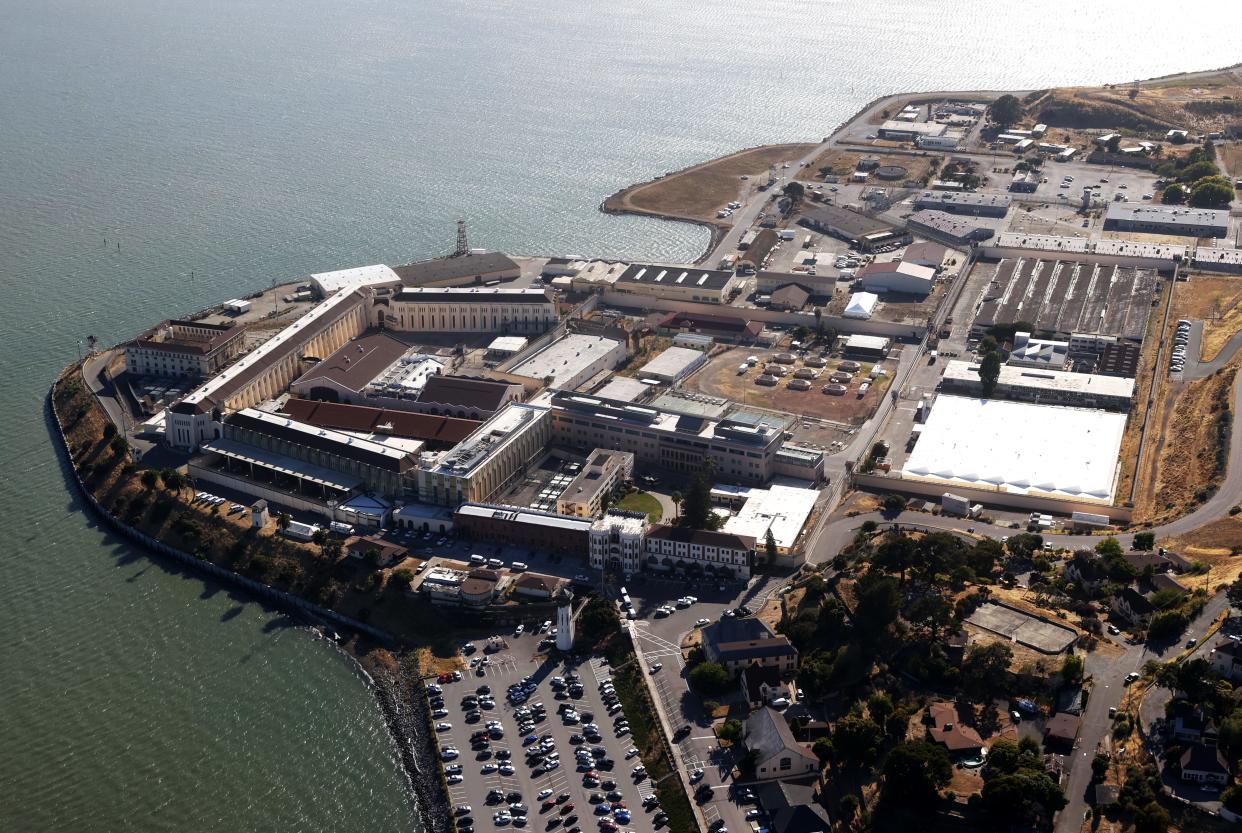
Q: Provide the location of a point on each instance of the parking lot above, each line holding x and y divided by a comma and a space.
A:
509, 771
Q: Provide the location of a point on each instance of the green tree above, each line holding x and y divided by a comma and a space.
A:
731, 730
989, 372
1211, 192
795, 191
879, 601
914, 774
857, 740
1072, 669
710, 678
1197, 171
403, 577
696, 508
1109, 547
149, 479
1235, 593
1151, 818
893, 503
879, 707
1145, 541
1025, 544
282, 521
1114, 143
769, 546
119, 446
1173, 194
1006, 110
1231, 735
985, 671
598, 619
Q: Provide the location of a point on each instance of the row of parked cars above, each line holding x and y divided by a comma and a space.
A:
1181, 338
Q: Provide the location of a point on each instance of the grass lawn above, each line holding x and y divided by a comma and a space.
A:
641, 502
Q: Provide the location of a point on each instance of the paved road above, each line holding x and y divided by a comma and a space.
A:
1107, 690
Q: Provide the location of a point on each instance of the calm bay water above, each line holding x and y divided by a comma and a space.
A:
226, 144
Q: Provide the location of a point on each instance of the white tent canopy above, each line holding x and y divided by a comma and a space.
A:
861, 305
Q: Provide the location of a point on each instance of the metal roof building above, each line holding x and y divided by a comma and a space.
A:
1166, 219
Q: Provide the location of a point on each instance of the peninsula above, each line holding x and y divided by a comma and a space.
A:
930, 460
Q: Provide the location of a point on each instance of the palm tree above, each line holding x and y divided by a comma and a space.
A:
282, 521
676, 497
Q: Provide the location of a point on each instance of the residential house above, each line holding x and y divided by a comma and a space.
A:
536, 586
737, 643
1062, 730
792, 808
386, 552
947, 729
761, 684
777, 754
1226, 659
1205, 765
955, 643
1132, 606
1191, 725
1164, 581
1087, 570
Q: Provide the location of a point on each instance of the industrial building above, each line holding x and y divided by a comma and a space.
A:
673, 365
907, 131
373, 365
954, 230
790, 297
781, 510
489, 459
679, 283
742, 452
304, 459
1068, 298
326, 284
623, 542
927, 254
1038, 352
623, 389
487, 309
464, 397
602, 474
1167, 219
970, 204
184, 349
267, 370
901, 277
855, 228
1019, 448
1049, 387
818, 286
1024, 182
572, 359
516, 526
866, 347
724, 328
466, 270
438, 432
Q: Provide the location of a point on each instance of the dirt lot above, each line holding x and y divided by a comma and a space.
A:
1229, 155
1191, 462
698, 192
1214, 545
1217, 301
720, 378
843, 163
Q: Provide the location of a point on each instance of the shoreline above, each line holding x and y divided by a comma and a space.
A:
413, 748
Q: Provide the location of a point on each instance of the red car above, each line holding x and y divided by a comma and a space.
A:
567, 808
547, 805
607, 824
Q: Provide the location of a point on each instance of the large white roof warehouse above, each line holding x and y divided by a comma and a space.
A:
1019, 448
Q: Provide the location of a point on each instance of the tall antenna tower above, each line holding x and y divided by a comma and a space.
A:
463, 248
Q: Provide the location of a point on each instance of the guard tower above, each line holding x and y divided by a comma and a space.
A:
564, 620
463, 247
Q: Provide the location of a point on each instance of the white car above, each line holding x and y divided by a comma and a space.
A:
448, 753
696, 776
631, 752
506, 769
544, 794
519, 630
454, 779
488, 769
655, 667
444, 727
701, 622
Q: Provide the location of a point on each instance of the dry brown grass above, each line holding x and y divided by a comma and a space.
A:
698, 192
1128, 453
1213, 544
1217, 301
1188, 462
1230, 158
1157, 106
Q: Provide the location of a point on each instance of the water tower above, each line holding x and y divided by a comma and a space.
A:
564, 619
